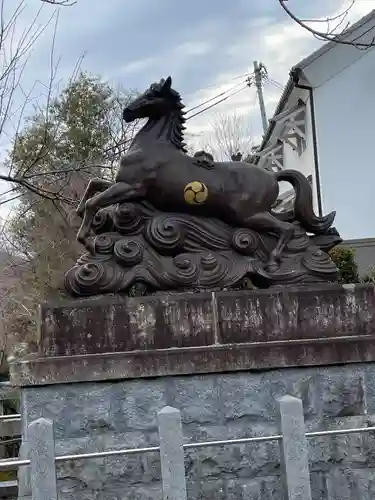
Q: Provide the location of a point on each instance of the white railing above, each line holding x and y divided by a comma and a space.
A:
10, 435
292, 439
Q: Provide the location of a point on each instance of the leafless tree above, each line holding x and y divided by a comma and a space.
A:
335, 27
231, 137
15, 101
121, 133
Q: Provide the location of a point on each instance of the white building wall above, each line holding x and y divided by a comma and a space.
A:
345, 111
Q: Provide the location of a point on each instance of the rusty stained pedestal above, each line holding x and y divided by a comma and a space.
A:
113, 337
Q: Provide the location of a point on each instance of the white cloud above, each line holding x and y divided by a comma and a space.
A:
189, 49
193, 48
279, 46
137, 66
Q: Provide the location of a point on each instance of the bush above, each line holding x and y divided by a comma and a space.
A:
344, 258
370, 276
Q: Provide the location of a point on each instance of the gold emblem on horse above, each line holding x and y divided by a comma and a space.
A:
195, 193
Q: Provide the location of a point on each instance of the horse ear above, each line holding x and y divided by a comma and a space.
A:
166, 84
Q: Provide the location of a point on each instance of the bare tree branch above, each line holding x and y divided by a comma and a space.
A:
38, 190
231, 136
29, 172
13, 61
65, 3
331, 34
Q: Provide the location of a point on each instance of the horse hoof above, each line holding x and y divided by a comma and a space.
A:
80, 210
91, 248
89, 245
272, 267
83, 241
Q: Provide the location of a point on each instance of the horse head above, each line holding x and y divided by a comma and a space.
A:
157, 101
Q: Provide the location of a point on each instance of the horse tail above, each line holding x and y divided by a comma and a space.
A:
303, 205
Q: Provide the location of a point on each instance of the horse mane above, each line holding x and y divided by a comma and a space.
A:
176, 132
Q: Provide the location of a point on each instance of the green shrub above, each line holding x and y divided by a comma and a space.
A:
8, 475
344, 258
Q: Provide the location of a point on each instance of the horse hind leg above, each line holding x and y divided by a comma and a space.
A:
115, 193
93, 187
264, 221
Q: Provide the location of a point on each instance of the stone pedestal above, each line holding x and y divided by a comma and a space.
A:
107, 365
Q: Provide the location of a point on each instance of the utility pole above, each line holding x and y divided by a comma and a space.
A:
259, 72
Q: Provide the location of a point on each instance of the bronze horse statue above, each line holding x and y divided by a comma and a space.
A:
156, 168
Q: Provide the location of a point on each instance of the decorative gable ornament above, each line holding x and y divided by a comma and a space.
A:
272, 158
290, 127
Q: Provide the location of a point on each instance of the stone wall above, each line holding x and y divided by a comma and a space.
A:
107, 365
115, 415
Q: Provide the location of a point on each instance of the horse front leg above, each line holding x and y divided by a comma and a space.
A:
264, 221
115, 193
93, 187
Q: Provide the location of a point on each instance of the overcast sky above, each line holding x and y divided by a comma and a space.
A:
204, 44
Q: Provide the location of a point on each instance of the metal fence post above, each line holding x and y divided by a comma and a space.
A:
41, 442
172, 454
294, 450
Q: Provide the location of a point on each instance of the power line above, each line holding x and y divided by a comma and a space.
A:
274, 83
216, 103
213, 98
244, 75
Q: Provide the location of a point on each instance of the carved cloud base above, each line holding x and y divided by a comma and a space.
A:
137, 244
